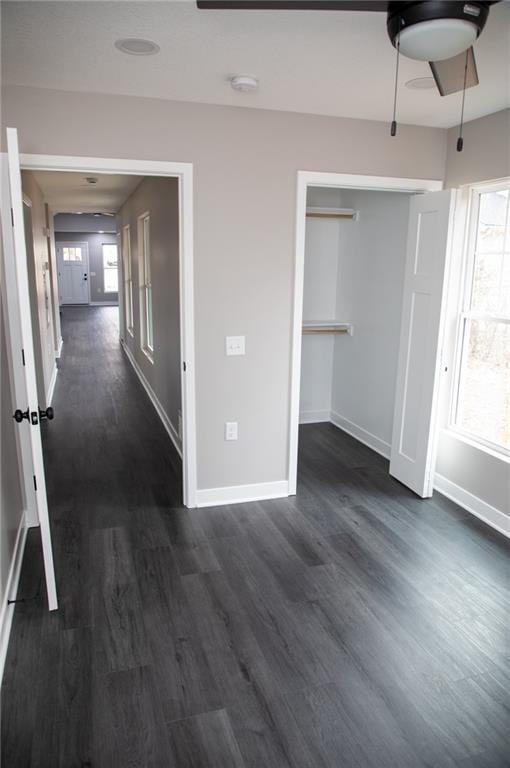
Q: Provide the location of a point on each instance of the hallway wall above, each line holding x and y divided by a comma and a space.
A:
39, 274
160, 198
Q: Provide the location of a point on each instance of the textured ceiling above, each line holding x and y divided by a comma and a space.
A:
327, 63
67, 192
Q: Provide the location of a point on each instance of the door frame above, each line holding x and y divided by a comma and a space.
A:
61, 244
184, 174
307, 179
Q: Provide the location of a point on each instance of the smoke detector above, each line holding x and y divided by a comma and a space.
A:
244, 83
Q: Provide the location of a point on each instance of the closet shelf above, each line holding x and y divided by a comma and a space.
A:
327, 327
315, 212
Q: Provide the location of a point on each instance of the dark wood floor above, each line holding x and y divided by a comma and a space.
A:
351, 626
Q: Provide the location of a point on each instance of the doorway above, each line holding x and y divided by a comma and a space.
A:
336, 333
182, 173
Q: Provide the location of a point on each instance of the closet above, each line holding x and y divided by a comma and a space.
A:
355, 256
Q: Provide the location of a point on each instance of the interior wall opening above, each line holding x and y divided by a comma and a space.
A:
354, 266
113, 243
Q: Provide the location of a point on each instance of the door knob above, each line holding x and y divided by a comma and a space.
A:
47, 414
19, 415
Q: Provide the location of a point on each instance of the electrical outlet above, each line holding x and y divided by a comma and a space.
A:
231, 430
235, 345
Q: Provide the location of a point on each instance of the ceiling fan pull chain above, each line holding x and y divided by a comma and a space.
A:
393, 130
460, 140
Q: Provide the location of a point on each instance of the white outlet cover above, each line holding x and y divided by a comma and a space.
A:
235, 345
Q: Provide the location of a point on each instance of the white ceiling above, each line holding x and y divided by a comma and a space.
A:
329, 63
67, 192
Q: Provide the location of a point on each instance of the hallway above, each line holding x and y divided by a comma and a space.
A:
351, 626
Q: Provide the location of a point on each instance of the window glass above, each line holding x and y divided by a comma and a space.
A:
110, 268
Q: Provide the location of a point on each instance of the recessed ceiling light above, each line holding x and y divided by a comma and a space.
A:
136, 46
244, 83
421, 83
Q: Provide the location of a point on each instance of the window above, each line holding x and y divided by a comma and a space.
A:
481, 407
71, 254
144, 244
110, 268
128, 280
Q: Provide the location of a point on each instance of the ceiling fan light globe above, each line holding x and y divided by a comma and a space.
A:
437, 39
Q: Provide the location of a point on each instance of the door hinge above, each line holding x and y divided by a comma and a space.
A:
184, 367
12, 217
23, 356
35, 483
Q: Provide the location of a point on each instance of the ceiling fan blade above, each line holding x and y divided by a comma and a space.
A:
449, 74
294, 5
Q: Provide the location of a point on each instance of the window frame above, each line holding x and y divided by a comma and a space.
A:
127, 279
145, 286
464, 314
112, 245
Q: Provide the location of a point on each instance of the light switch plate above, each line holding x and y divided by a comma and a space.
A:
235, 345
231, 430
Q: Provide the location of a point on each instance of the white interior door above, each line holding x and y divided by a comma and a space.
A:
413, 446
73, 273
21, 344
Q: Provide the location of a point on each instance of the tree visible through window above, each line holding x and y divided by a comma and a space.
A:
482, 405
110, 268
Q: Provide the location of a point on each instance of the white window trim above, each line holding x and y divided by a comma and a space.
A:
127, 279
467, 271
147, 350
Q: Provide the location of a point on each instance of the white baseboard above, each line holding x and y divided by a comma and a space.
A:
59, 348
471, 503
11, 590
240, 494
103, 303
51, 387
172, 432
363, 435
314, 417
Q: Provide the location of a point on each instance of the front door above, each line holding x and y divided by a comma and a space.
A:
73, 273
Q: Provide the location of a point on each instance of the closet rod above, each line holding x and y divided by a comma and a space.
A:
311, 215
325, 330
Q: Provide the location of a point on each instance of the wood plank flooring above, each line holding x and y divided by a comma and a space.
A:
353, 626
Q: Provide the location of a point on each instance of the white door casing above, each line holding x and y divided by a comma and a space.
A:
73, 274
184, 173
306, 179
414, 439
21, 348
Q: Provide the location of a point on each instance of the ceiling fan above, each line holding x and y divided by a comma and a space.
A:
441, 32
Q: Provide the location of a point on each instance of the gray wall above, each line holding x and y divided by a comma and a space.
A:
486, 153
95, 243
245, 164
160, 198
11, 498
369, 294
84, 222
486, 156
